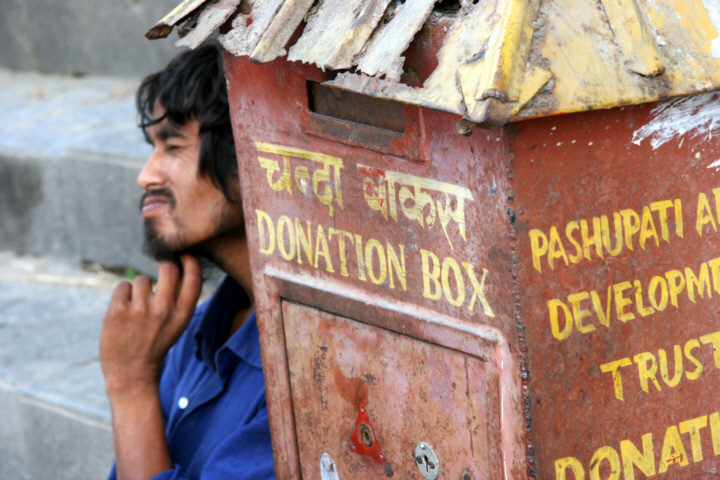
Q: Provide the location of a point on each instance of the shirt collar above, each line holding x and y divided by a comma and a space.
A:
245, 343
215, 320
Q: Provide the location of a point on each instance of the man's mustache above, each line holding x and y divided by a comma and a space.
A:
160, 192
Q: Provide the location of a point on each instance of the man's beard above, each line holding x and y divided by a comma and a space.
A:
170, 249
154, 245
158, 247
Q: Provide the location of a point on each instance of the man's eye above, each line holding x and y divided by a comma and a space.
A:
170, 148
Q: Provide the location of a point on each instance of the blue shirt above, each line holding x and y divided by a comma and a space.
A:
213, 396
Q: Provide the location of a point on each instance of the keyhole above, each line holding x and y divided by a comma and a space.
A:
427, 461
424, 461
366, 435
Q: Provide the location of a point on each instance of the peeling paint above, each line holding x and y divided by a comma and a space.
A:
500, 60
693, 116
713, 8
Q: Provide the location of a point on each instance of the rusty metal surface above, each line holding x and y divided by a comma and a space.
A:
616, 219
414, 249
575, 260
359, 372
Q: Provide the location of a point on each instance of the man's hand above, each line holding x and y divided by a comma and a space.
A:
140, 325
138, 329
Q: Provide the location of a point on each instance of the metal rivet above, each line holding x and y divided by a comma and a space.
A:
464, 127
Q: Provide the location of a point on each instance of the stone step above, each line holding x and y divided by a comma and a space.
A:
56, 419
70, 152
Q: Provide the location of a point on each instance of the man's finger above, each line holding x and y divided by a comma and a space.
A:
167, 284
121, 294
141, 289
190, 286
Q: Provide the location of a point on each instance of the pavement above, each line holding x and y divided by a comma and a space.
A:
70, 152
56, 418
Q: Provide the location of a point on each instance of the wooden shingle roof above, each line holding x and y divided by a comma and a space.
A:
500, 60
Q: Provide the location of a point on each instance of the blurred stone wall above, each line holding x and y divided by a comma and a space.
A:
104, 37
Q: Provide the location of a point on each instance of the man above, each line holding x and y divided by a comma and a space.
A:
196, 410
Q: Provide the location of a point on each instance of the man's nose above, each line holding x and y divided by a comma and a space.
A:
152, 174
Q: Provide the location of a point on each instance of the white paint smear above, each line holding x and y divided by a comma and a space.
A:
713, 8
694, 116
715, 164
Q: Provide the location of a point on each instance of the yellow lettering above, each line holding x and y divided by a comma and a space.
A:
555, 249
603, 316
693, 427
691, 345
553, 306
285, 224
573, 464
322, 250
662, 208
617, 220
642, 310
569, 229
265, 225
621, 302
431, 276
679, 226
715, 432
647, 228
478, 290
342, 249
714, 339
615, 367
678, 362
631, 457
539, 246
676, 284
303, 239
656, 282
672, 450
595, 239
371, 246
702, 284
647, 368
447, 265
580, 313
610, 455
631, 225
714, 265
704, 215
396, 266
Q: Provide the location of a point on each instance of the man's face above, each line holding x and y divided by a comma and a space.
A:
182, 210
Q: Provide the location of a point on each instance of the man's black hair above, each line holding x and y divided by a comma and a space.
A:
192, 86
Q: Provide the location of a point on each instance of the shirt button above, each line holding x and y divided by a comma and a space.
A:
183, 403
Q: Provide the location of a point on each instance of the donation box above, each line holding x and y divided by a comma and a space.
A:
483, 234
